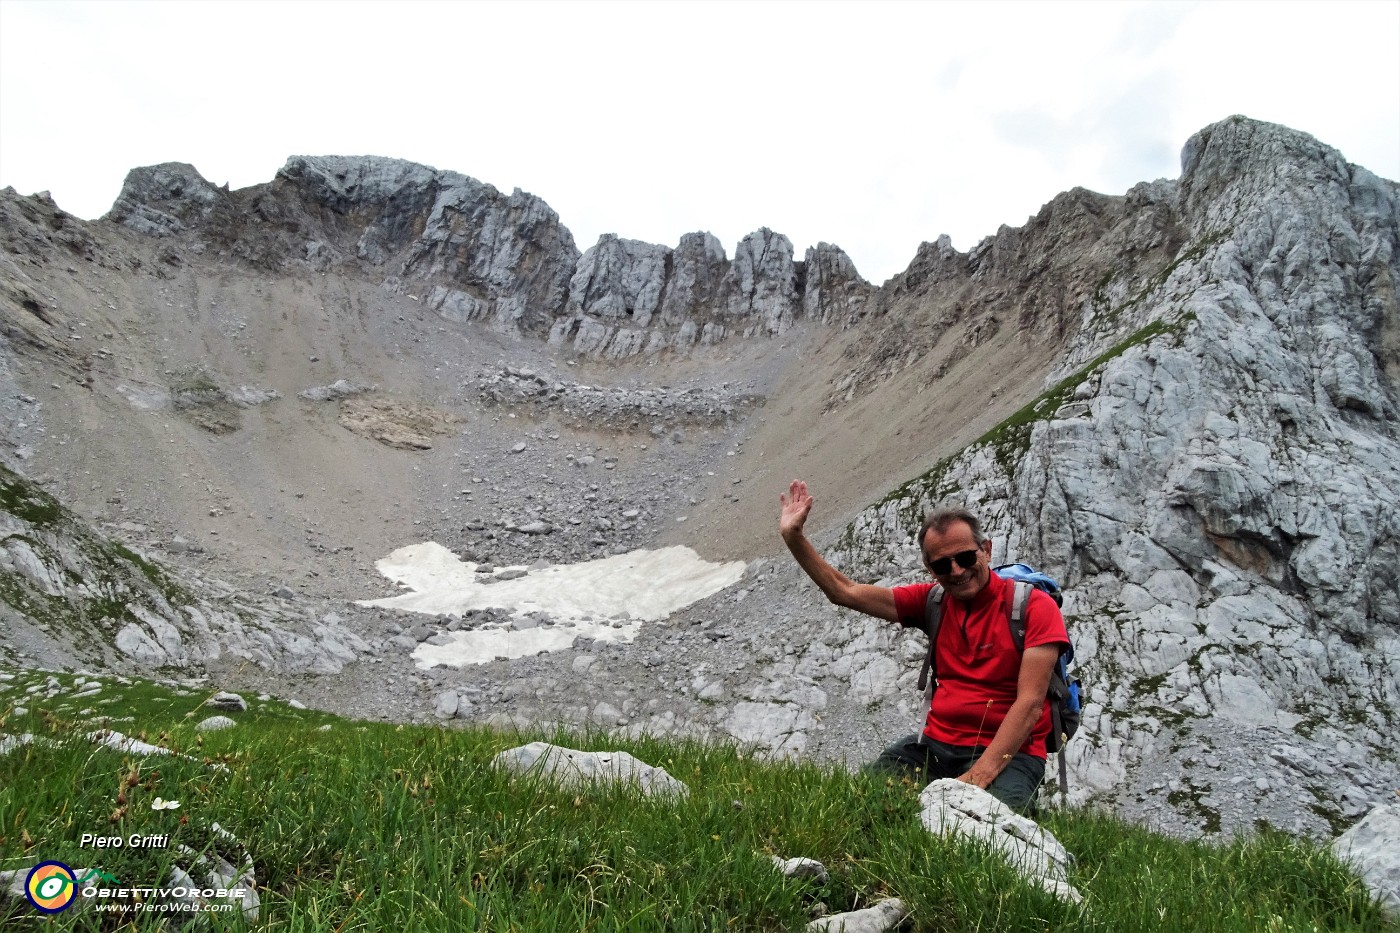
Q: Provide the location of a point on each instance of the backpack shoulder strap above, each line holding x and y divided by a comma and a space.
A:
933, 617
1016, 617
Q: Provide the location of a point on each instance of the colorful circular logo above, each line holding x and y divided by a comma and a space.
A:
50, 887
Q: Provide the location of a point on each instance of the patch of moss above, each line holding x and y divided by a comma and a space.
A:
1329, 813
1309, 723
42, 608
174, 593
27, 501
196, 396
1012, 437
1148, 686
1189, 801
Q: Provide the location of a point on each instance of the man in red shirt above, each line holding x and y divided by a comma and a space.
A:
989, 717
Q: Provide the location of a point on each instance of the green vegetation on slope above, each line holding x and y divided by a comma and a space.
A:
97, 579
1010, 438
374, 827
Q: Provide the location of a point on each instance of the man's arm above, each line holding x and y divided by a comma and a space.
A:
1036, 666
876, 601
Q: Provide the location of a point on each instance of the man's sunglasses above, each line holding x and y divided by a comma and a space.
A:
944, 565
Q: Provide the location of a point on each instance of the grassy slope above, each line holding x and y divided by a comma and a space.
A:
378, 827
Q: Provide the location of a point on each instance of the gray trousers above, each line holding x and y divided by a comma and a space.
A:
927, 760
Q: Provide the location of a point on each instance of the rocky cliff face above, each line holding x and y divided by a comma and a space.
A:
477, 255
1213, 473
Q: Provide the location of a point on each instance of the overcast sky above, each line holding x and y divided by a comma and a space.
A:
874, 126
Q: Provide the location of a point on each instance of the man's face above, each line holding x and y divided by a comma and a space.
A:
948, 551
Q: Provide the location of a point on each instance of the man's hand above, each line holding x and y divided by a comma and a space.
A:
982, 780
874, 601
796, 504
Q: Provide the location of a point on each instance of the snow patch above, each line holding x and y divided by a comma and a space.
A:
606, 599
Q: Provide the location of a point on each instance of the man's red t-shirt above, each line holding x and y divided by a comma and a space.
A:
977, 662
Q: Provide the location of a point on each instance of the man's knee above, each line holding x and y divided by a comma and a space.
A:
905, 756
1018, 782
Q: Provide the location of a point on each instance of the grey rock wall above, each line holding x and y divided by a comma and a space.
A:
629, 297
1213, 473
479, 255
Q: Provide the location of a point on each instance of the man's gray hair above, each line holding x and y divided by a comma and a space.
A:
940, 518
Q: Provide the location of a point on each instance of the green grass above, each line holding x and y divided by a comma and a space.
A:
370, 827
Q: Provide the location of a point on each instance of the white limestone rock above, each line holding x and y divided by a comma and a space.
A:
779, 729
762, 284
698, 267
1372, 848
806, 868
619, 280
886, 915
227, 700
572, 768
955, 808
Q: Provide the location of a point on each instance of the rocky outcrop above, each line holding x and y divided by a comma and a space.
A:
1028, 283
476, 254
630, 297
1372, 848
81, 595
618, 407
569, 767
398, 424
165, 199
834, 293
1212, 473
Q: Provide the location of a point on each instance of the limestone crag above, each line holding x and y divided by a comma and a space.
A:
474, 254
1213, 476
166, 199
834, 292
1033, 285
630, 297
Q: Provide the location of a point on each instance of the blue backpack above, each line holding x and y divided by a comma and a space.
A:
1064, 692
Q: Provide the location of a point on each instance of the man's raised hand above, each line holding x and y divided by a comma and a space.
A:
796, 504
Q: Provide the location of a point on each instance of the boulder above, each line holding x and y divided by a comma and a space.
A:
955, 808
1372, 849
571, 768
